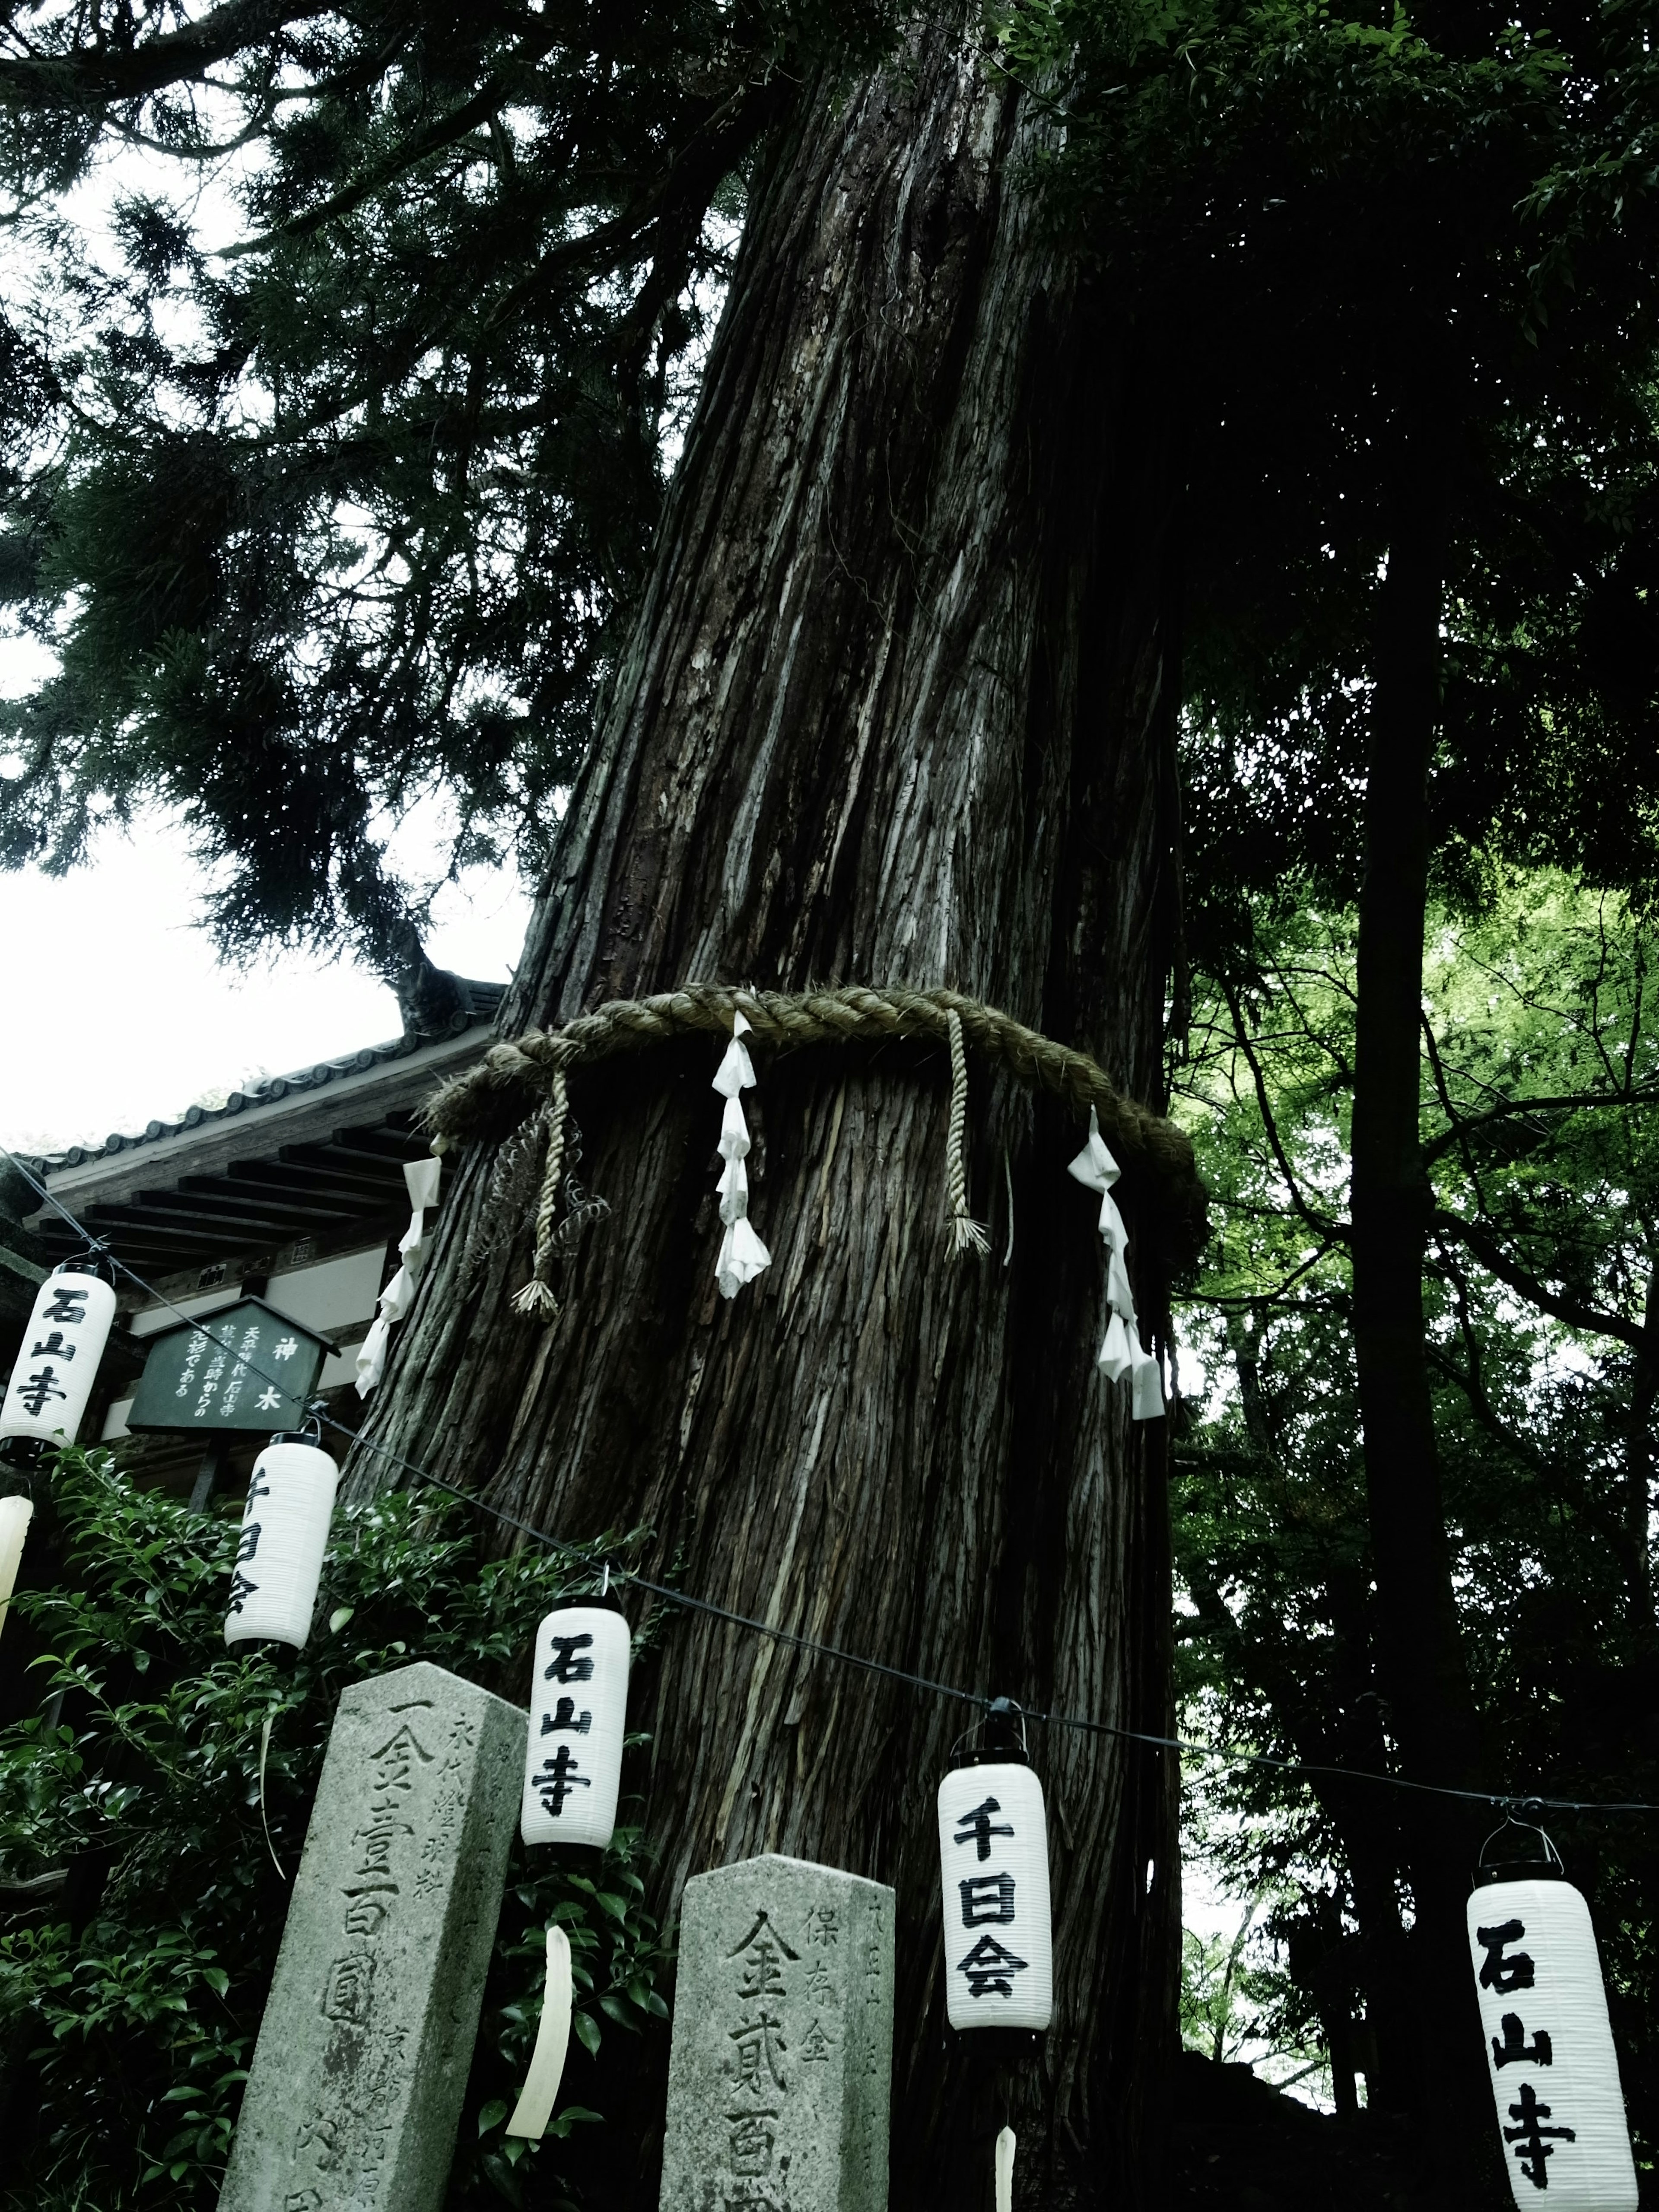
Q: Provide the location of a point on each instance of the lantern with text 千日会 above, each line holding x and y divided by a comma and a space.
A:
994, 1879
279, 1557
578, 1717
1549, 2045
57, 1364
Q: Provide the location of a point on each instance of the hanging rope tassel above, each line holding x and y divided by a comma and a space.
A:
1005, 2170
968, 1235
536, 1296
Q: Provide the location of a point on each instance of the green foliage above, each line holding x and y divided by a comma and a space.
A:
1539, 1074
334, 436
145, 1763
1379, 259
1239, 2007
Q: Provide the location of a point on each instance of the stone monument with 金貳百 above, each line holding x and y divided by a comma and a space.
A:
781, 2068
361, 2063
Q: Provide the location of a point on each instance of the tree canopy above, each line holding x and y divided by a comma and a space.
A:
343, 353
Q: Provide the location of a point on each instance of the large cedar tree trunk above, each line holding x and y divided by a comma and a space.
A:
897, 710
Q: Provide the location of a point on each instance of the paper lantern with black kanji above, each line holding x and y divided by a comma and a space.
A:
994, 1877
279, 1559
1554, 2073
578, 1715
58, 1361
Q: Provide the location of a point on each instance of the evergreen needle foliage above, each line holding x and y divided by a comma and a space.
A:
335, 411
129, 2018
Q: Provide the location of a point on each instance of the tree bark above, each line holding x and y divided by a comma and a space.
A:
1424, 1674
893, 712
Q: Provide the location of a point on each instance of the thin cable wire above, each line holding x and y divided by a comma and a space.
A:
1505, 1798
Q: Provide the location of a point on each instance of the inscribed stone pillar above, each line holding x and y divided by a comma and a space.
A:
782, 2056
362, 2062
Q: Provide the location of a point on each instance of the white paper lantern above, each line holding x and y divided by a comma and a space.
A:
57, 1363
1554, 2074
279, 1561
994, 1878
578, 1715
15, 1514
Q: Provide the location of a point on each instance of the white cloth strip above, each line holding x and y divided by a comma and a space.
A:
742, 1256
540, 2084
422, 1178
1006, 2142
1121, 1351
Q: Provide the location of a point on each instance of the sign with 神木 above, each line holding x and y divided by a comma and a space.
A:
244, 1367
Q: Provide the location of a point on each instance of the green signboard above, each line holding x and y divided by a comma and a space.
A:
244, 1367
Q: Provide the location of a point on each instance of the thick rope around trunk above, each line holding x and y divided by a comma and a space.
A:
495, 1095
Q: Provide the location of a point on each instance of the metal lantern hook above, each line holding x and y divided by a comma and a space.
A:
1523, 1828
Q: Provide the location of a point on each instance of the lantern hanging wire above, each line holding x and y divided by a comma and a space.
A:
1504, 1799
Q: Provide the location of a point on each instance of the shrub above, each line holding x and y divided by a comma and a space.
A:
182, 1775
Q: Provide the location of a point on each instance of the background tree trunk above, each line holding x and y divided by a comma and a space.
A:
896, 711
1432, 1704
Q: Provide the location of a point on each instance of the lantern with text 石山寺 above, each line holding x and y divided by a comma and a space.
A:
279, 1558
578, 1716
1549, 2045
58, 1361
994, 1879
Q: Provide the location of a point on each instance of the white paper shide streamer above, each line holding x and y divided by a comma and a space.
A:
15, 1514
279, 1560
578, 1715
994, 1881
1006, 2141
742, 1256
57, 1360
1555, 2075
421, 1177
540, 2084
1123, 1352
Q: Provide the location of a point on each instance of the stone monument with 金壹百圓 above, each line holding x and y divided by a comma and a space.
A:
360, 2066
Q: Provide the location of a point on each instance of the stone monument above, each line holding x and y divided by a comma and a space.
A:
781, 2068
361, 2063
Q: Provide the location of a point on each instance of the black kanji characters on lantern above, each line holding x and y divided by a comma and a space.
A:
55, 1347
565, 1666
241, 1590
1499, 1973
987, 1966
248, 1543
987, 1898
67, 1305
557, 1778
1515, 2044
565, 1716
976, 1826
1531, 2151
38, 1388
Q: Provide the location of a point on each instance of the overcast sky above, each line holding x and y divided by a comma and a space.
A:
118, 1014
